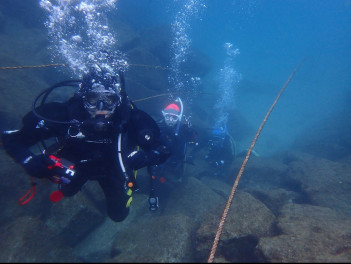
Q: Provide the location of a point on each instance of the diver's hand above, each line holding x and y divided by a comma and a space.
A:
217, 163
159, 155
139, 159
37, 166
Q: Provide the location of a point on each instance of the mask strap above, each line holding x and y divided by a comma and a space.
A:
165, 114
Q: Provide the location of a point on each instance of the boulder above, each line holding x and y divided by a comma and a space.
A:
14, 184
276, 198
309, 234
98, 244
260, 172
324, 182
27, 239
73, 218
194, 199
160, 239
248, 219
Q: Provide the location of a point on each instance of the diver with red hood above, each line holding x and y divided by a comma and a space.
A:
181, 138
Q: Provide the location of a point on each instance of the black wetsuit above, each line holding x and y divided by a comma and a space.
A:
221, 154
93, 150
173, 168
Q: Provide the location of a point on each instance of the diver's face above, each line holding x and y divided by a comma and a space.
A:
170, 119
99, 101
104, 113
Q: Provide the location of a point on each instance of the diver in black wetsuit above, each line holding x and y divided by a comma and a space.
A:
177, 134
100, 136
221, 151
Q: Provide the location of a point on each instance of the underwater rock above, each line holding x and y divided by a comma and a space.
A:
163, 239
8, 121
194, 199
260, 173
27, 239
127, 36
248, 219
217, 186
157, 40
144, 71
96, 246
325, 182
309, 234
197, 64
276, 198
73, 218
26, 12
167, 235
330, 138
14, 184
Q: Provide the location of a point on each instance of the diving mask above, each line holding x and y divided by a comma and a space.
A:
170, 119
100, 99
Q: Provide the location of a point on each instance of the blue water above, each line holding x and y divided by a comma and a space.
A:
245, 52
273, 38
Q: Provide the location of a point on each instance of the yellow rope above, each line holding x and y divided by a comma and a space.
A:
149, 66
35, 66
143, 99
231, 196
60, 64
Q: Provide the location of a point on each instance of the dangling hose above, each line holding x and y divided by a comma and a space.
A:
119, 151
231, 196
45, 94
29, 194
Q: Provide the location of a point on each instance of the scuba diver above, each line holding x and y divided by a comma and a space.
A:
221, 150
177, 133
99, 135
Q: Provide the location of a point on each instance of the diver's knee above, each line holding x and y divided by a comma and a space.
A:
118, 216
68, 192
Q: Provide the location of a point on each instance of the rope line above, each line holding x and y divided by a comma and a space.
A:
60, 64
150, 66
231, 196
33, 66
150, 97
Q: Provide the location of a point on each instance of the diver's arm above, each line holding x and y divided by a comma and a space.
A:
191, 135
142, 158
17, 144
147, 134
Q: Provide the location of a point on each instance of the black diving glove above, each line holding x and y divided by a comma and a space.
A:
37, 166
217, 163
139, 159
